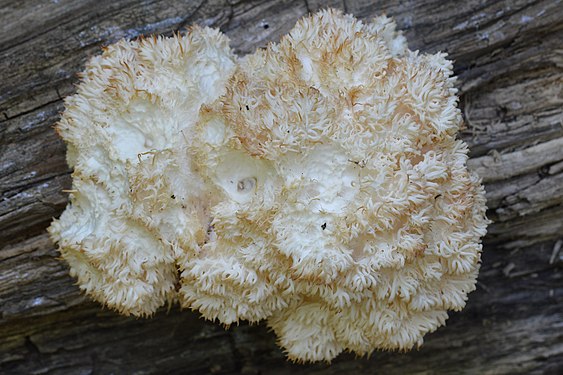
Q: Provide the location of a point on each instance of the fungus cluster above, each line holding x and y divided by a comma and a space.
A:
317, 183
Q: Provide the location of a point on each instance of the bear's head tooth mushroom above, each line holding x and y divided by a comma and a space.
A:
317, 183
137, 204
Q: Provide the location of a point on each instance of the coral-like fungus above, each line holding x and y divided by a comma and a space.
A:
317, 184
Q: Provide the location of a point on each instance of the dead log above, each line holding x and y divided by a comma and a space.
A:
509, 59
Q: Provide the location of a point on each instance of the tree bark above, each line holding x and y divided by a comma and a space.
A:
509, 59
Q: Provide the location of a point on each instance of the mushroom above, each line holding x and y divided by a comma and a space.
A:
317, 184
138, 204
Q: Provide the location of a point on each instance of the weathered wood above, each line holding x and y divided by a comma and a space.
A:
509, 59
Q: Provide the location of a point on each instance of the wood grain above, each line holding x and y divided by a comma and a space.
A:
509, 60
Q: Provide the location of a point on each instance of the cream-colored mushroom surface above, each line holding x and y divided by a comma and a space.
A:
317, 183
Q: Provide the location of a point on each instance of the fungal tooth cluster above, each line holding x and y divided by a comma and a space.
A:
316, 184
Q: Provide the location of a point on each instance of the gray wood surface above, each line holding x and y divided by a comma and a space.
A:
509, 59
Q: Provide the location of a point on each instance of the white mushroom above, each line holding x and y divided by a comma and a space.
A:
317, 184
138, 204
